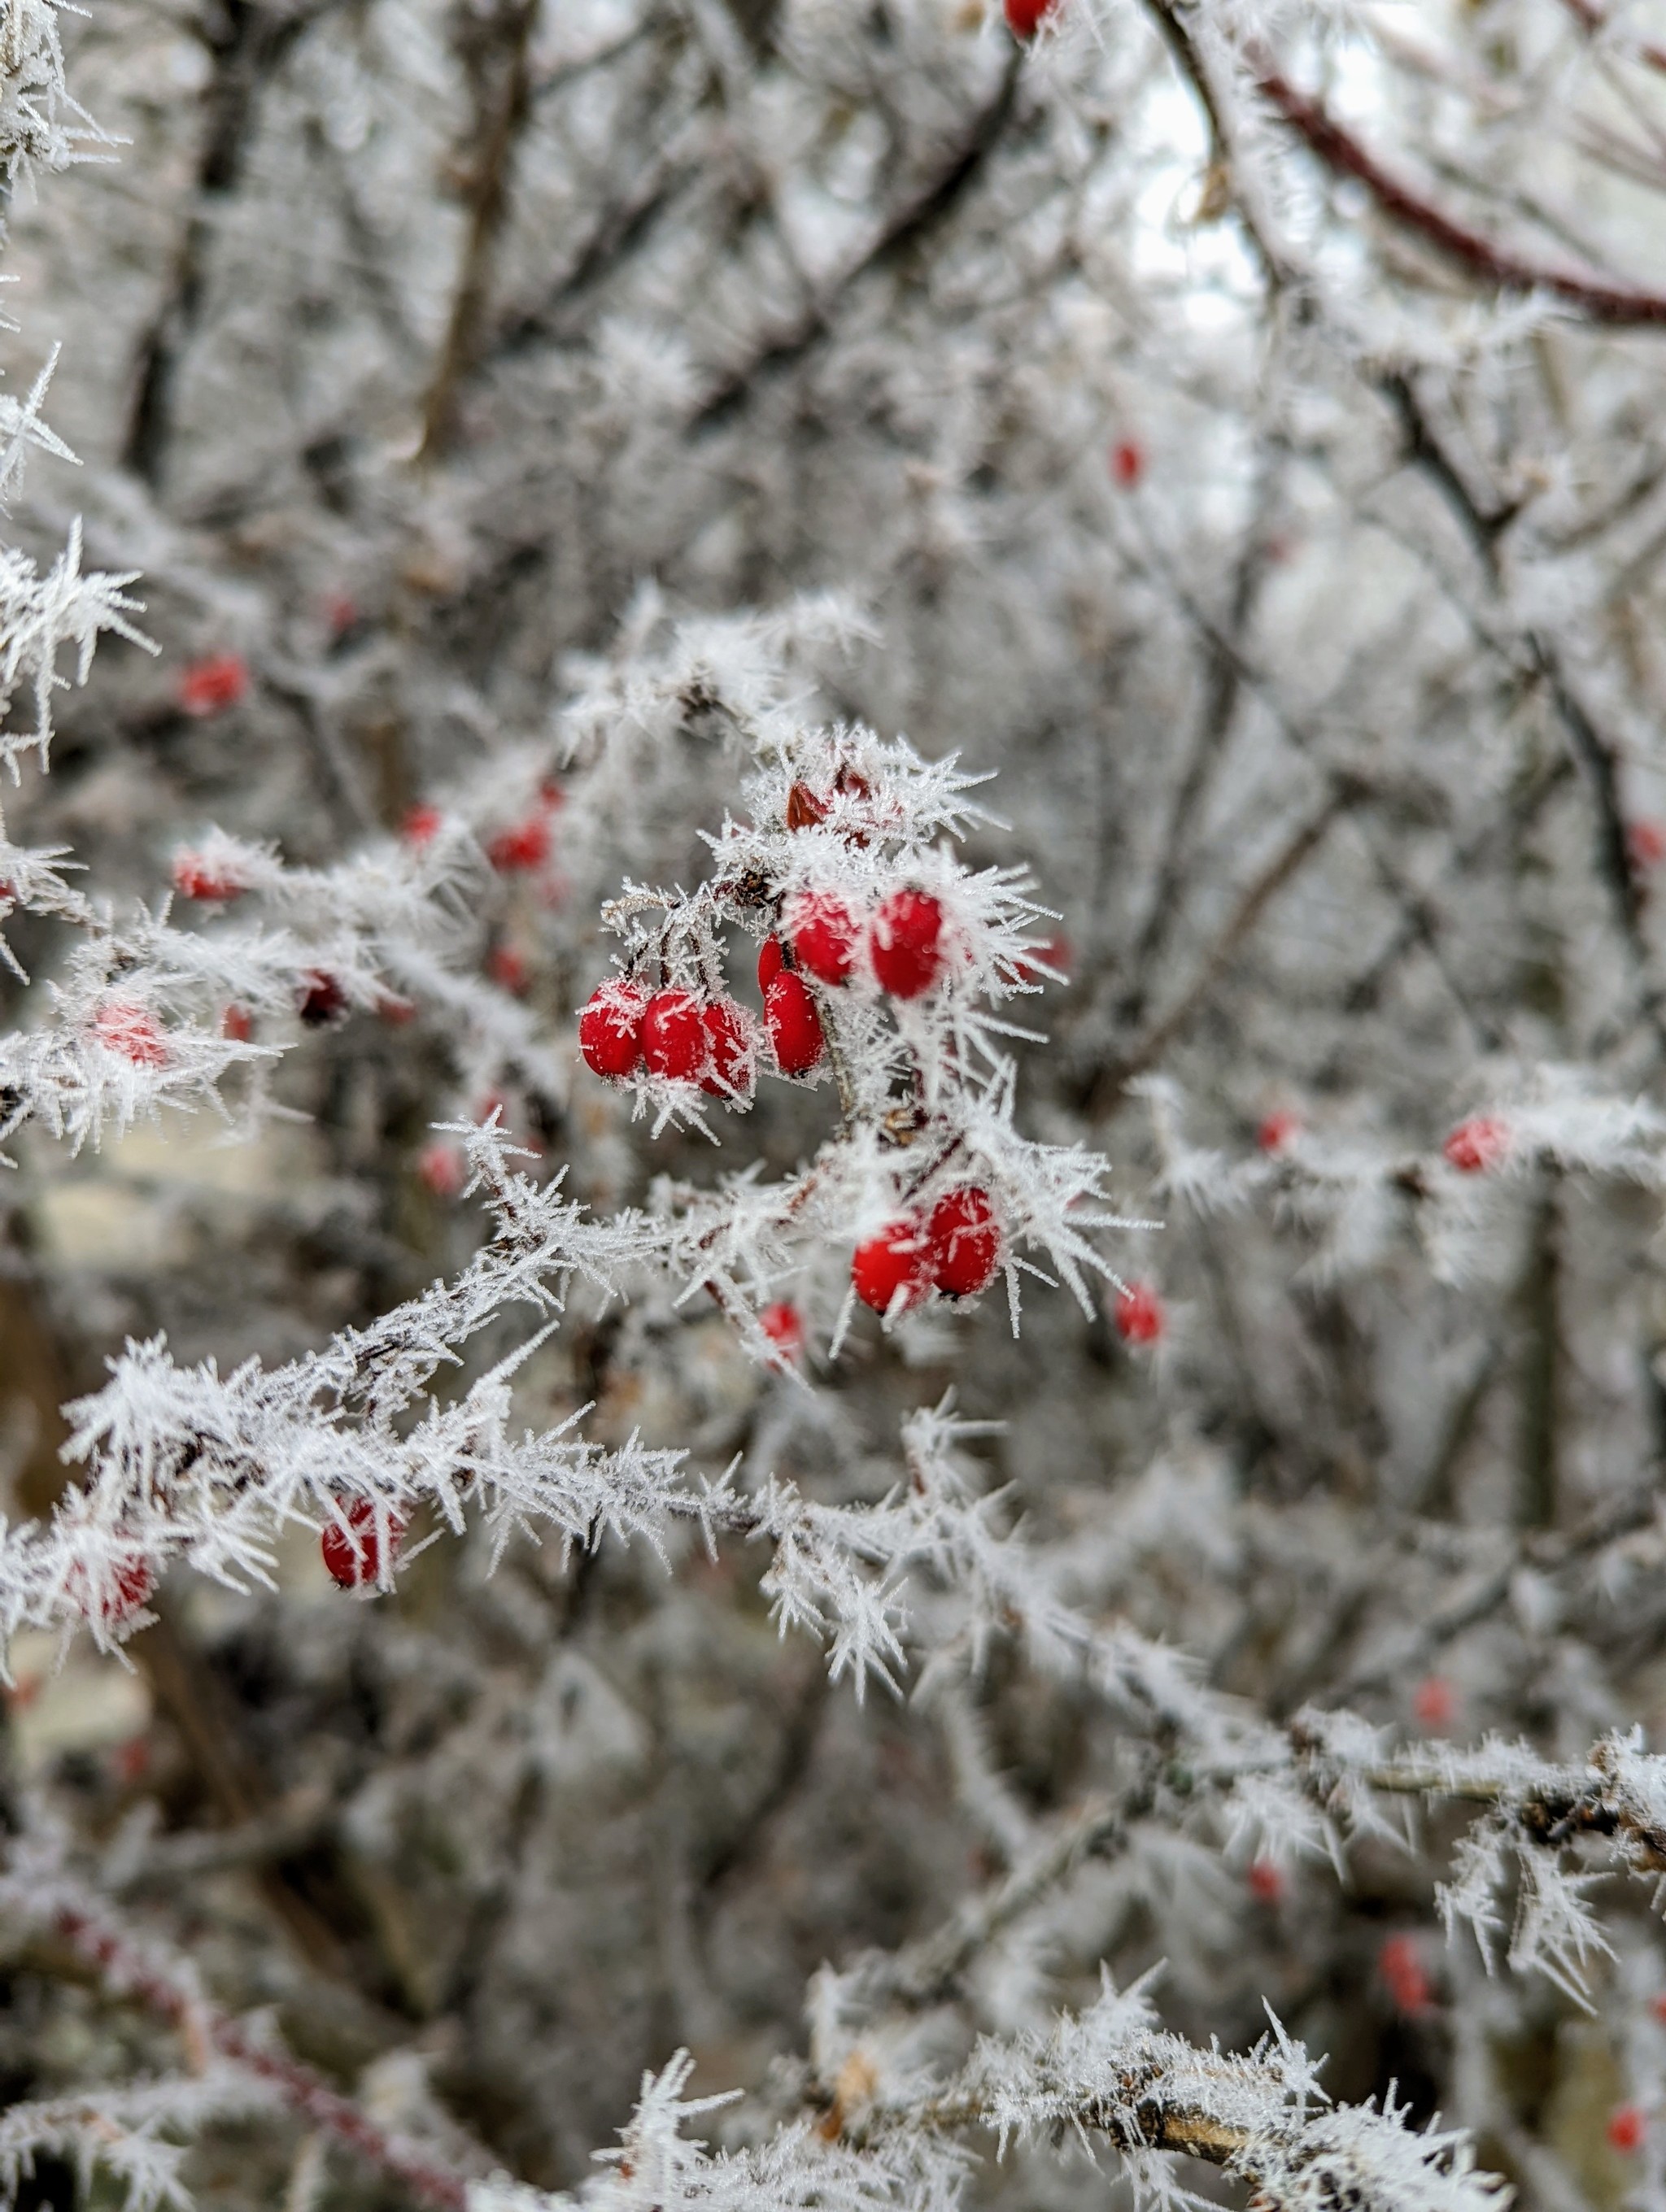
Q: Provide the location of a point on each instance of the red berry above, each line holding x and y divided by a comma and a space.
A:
892, 1269
1626, 2127
1276, 1131
1477, 1145
783, 1324
1657, 2006
611, 1031
1127, 463
321, 998
395, 1011
352, 1548
237, 1024
824, 933
674, 1042
1404, 1974
1265, 1880
1646, 844
507, 969
1434, 1701
1138, 1313
965, 1236
341, 612
771, 961
442, 1168
803, 809
422, 825
521, 847
730, 1071
1023, 17
122, 1026
194, 878
794, 1023
905, 943
210, 686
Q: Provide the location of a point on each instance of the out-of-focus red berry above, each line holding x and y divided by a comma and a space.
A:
210, 685
421, 825
611, 1031
1405, 1976
1626, 2127
123, 1026
783, 1324
352, 1546
1434, 1702
674, 1042
1138, 1313
1476, 1145
1024, 17
823, 934
1128, 460
1265, 1882
965, 1236
905, 943
893, 1268
237, 1024
1646, 844
442, 1168
790, 1015
506, 966
1277, 1130
320, 998
522, 848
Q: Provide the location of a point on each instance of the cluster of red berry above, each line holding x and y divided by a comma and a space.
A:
903, 940
674, 1033
955, 1249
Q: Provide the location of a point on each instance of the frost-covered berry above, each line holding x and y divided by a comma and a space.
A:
237, 1024
964, 1234
611, 1031
210, 685
892, 1269
1138, 1313
783, 1324
730, 1071
123, 1026
523, 847
321, 998
352, 1546
421, 825
794, 1023
905, 943
1626, 2127
195, 878
1476, 1145
771, 961
674, 1037
824, 933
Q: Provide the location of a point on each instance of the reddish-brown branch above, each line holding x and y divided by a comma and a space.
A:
1591, 19
1495, 264
129, 1970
